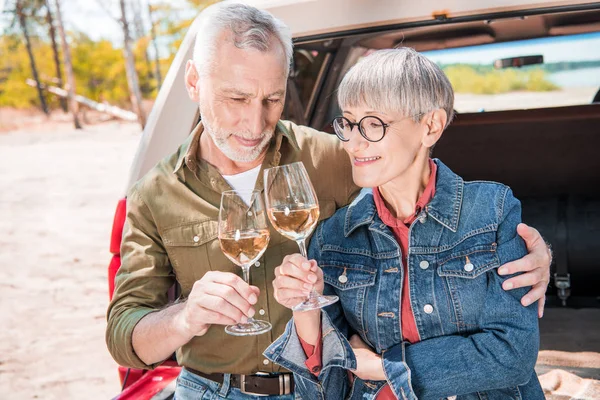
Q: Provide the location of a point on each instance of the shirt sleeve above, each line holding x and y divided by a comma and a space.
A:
313, 355
141, 284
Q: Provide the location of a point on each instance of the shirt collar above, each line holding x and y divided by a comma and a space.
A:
386, 215
444, 207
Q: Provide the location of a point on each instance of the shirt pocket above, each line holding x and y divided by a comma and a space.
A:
187, 247
351, 283
464, 280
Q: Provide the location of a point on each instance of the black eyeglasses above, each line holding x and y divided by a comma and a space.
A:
370, 127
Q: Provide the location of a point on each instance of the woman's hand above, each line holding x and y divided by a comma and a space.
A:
295, 278
369, 365
536, 266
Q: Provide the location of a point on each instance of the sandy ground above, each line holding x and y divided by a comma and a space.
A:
59, 188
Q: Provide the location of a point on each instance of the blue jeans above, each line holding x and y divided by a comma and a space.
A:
193, 387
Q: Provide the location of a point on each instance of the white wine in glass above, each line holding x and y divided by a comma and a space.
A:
244, 237
293, 210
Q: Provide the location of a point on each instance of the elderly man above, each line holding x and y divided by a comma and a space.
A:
238, 77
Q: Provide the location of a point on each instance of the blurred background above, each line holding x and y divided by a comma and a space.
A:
64, 167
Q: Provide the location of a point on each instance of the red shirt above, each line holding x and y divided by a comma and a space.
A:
400, 228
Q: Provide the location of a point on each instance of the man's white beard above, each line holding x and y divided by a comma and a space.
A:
221, 140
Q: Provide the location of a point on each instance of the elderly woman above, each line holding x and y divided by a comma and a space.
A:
413, 260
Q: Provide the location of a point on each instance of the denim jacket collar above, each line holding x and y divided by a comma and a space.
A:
448, 185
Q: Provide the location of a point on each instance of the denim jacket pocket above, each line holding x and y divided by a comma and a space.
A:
464, 274
351, 283
470, 262
345, 276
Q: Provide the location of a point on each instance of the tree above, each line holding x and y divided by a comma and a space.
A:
132, 76
52, 34
22, 18
156, 55
73, 106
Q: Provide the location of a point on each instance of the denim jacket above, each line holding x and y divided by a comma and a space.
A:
477, 340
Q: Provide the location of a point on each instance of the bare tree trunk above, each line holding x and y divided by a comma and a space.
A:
23, 23
73, 106
153, 35
132, 77
52, 31
140, 31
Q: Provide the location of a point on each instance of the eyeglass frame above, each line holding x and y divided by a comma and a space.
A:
353, 124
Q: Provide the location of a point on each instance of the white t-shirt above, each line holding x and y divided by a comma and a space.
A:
244, 182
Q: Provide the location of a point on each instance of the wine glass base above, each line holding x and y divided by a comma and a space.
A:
314, 303
255, 327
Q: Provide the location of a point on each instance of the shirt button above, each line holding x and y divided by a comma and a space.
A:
424, 264
468, 267
196, 239
257, 264
428, 308
266, 362
261, 311
213, 181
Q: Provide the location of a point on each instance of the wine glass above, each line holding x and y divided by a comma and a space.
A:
244, 237
293, 210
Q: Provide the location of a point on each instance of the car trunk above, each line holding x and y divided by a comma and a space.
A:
549, 157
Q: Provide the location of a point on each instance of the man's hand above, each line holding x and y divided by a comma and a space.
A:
536, 266
295, 278
220, 298
369, 365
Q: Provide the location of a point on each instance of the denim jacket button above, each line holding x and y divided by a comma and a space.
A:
428, 308
468, 267
424, 264
343, 278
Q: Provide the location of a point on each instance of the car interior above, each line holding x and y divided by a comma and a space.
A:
546, 155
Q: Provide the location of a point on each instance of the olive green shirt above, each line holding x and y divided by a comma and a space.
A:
170, 235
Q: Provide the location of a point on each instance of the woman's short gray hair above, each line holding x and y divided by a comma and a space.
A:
250, 28
397, 80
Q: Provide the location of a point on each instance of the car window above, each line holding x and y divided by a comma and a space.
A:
304, 79
569, 74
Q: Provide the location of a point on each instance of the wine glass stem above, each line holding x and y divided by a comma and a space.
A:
246, 271
302, 244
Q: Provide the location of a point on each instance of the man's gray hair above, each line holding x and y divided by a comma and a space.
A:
397, 80
249, 26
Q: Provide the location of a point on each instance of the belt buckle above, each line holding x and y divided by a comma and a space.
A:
243, 387
284, 385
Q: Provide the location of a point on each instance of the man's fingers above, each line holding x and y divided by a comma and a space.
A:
216, 318
229, 279
232, 296
523, 280
541, 305
530, 235
221, 306
524, 264
536, 293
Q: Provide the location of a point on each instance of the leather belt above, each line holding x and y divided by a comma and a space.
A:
257, 384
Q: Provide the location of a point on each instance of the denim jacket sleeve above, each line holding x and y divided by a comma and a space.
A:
338, 356
502, 354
